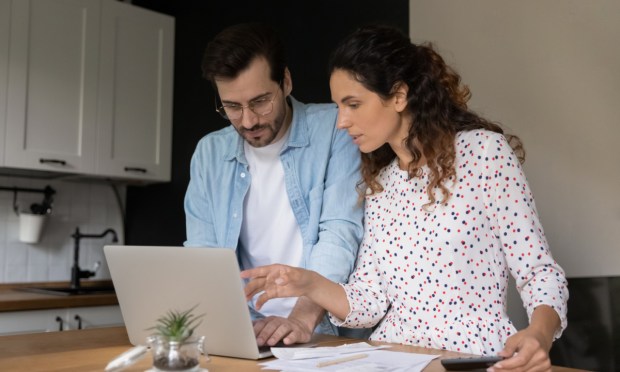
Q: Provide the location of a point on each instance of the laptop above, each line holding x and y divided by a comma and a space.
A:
150, 281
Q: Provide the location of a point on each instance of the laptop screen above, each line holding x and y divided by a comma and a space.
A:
152, 280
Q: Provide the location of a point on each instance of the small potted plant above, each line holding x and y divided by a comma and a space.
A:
173, 344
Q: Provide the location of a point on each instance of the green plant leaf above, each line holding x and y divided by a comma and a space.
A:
176, 325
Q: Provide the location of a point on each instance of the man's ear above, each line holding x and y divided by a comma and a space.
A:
287, 83
400, 96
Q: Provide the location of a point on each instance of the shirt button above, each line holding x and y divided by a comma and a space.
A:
234, 215
242, 175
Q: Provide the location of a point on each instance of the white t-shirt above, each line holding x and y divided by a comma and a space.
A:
269, 231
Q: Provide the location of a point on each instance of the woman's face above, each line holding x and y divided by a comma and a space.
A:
368, 119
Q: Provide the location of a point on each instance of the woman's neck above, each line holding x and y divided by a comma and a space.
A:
405, 157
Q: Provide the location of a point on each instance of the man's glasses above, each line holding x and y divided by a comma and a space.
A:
260, 106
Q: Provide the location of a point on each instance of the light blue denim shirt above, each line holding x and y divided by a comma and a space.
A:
321, 169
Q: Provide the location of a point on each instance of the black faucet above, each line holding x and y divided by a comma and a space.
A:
76, 273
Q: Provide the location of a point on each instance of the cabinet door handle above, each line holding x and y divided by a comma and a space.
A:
134, 169
52, 161
59, 320
79, 320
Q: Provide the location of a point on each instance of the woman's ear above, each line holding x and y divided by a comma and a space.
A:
400, 96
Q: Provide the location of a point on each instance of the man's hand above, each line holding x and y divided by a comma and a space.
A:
270, 330
297, 328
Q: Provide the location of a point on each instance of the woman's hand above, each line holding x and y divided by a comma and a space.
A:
276, 281
528, 349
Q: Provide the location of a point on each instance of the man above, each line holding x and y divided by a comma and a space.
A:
278, 184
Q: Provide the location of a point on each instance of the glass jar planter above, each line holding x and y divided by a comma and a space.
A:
176, 356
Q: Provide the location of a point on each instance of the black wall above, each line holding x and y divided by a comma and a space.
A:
310, 30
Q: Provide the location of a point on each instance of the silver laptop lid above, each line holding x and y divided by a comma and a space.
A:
149, 281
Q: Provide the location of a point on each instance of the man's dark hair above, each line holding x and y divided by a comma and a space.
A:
232, 50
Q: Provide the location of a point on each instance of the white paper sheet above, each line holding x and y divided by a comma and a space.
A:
375, 361
288, 353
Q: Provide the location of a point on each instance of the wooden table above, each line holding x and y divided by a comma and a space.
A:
92, 349
12, 299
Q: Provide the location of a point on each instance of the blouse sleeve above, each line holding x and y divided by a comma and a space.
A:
510, 205
366, 289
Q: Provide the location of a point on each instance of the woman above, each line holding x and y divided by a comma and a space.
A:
448, 215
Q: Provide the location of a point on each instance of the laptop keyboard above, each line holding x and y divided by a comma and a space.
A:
265, 348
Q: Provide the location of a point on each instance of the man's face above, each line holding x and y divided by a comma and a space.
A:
253, 88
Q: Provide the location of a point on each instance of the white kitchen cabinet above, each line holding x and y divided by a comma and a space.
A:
52, 85
89, 88
52, 320
135, 93
31, 321
5, 11
92, 317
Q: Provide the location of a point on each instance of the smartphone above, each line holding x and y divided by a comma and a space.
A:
463, 364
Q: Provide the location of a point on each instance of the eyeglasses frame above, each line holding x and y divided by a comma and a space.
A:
222, 111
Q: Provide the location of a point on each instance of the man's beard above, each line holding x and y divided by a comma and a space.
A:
265, 139
271, 131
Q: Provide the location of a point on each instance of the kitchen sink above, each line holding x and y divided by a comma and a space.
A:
68, 291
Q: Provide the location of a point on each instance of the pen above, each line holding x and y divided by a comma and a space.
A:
341, 360
127, 358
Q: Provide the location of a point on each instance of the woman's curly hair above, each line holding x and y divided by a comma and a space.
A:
382, 58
